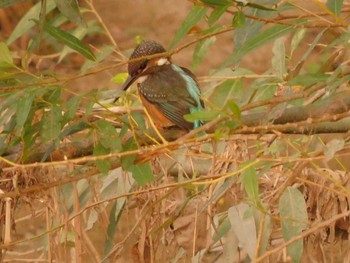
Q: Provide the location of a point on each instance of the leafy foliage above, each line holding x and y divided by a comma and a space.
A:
259, 165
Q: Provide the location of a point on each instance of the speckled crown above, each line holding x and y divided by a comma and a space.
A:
145, 48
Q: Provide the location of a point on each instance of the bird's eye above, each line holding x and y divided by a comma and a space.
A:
143, 65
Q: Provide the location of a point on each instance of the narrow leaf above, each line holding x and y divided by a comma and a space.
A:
279, 58
229, 89
26, 23
249, 180
217, 13
201, 50
192, 18
112, 227
24, 105
108, 135
70, 9
5, 3
251, 27
332, 147
234, 108
51, 124
216, 2
5, 55
79, 33
244, 227
296, 69
123, 186
73, 128
294, 219
219, 190
309, 79
223, 228
261, 7
127, 161
296, 40
71, 107
70, 40
264, 224
335, 6
103, 165
238, 20
142, 173
259, 40
231, 250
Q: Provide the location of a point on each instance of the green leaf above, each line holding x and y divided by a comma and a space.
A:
79, 33
128, 161
202, 115
142, 173
139, 119
26, 23
332, 147
108, 135
296, 40
279, 58
234, 108
201, 50
264, 224
74, 127
5, 56
309, 79
103, 165
251, 27
335, 6
295, 71
5, 3
52, 94
221, 132
259, 40
249, 180
69, 40
120, 78
217, 13
222, 92
196, 13
248, 31
123, 186
294, 220
51, 124
71, 107
6, 116
103, 53
229, 89
243, 225
24, 106
261, 7
112, 227
70, 9
216, 2
238, 20
219, 190
223, 228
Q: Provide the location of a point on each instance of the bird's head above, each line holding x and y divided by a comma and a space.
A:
142, 67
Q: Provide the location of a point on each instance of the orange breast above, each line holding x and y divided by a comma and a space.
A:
159, 119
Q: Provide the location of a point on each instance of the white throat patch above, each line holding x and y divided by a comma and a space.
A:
141, 79
162, 61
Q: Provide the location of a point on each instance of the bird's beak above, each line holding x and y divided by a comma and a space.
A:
130, 80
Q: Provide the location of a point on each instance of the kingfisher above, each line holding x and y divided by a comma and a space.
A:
167, 91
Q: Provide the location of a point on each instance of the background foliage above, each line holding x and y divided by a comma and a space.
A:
91, 181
